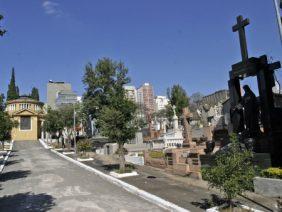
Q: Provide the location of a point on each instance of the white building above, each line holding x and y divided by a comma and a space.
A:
161, 102
130, 92
172, 139
79, 99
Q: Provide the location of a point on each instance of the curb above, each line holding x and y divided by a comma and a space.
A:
130, 188
6, 158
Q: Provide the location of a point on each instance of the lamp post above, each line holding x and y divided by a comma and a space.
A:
74, 129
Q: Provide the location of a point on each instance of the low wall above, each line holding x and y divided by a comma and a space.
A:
138, 160
268, 187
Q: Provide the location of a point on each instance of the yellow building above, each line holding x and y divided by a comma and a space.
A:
29, 115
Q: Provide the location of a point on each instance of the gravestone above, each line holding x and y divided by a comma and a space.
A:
270, 139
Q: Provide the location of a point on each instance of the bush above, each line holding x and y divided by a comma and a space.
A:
272, 173
83, 146
128, 168
233, 172
156, 154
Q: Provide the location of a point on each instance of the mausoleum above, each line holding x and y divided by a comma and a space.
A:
29, 115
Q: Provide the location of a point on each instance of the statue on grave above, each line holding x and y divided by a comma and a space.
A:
251, 112
237, 118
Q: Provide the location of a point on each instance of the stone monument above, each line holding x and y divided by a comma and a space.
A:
270, 138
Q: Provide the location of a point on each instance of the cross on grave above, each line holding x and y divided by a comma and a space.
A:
240, 27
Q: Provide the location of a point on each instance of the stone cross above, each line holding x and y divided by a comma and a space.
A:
240, 27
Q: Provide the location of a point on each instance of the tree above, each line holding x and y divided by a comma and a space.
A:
34, 94
6, 124
2, 31
67, 118
52, 122
178, 97
105, 100
233, 172
13, 90
117, 122
100, 83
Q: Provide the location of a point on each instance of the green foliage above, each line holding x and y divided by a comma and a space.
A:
2, 31
6, 124
67, 115
156, 154
52, 121
233, 173
105, 100
63, 117
34, 94
2, 104
272, 173
117, 122
13, 90
178, 97
84, 146
129, 168
102, 83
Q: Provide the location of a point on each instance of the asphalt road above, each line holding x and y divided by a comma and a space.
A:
38, 180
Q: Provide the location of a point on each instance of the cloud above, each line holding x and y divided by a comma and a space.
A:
51, 8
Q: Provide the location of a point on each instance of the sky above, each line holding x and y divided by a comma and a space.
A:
163, 42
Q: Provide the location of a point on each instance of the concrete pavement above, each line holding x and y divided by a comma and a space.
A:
37, 180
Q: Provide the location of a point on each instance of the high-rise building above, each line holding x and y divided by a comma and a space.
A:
59, 93
65, 98
161, 102
145, 98
130, 92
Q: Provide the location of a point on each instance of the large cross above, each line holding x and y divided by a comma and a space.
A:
240, 27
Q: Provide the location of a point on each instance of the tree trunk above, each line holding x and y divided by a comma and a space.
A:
121, 159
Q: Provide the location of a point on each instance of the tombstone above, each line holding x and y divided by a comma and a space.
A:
187, 133
271, 117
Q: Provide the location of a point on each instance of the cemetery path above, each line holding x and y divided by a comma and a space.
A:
38, 180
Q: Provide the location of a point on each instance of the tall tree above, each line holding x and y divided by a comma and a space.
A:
116, 114
2, 31
34, 94
178, 97
13, 90
100, 82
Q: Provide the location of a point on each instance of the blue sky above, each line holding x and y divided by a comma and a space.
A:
163, 42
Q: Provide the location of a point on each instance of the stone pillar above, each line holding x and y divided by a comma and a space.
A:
187, 129
174, 119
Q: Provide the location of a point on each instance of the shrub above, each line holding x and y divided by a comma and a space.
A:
272, 173
83, 146
233, 172
128, 168
156, 154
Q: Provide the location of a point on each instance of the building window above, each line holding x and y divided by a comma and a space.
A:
24, 106
37, 107
12, 107
25, 123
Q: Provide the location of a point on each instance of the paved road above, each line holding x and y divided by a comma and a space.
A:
37, 180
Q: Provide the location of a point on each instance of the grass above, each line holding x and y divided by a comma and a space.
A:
156, 154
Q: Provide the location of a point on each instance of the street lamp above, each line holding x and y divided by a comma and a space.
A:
74, 129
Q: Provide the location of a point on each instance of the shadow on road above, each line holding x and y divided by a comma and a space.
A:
11, 162
215, 200
12, 175
27, 202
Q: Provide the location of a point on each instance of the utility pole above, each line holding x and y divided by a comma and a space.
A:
278, 7
74, 129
